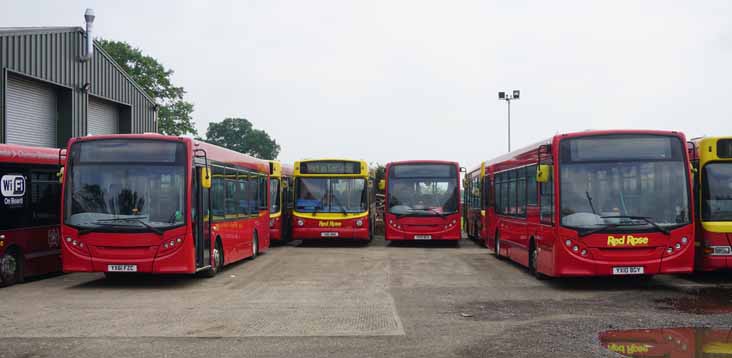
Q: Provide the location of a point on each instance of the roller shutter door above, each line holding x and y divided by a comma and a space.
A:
31, 113
102, 117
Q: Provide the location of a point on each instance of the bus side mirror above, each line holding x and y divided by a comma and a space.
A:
463, 170
691, 166
382, 184
205, 178
60, 175
543, 173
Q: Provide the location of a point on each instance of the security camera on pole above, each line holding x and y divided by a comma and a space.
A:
508, 97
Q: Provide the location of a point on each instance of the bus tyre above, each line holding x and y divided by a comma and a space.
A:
255, 245
217, 260
10, 269
497, 247
533, 259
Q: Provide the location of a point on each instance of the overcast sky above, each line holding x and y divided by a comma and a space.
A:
393, 80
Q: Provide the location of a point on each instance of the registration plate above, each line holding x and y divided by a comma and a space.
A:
630, 270
423, 237
122, 268
328, 234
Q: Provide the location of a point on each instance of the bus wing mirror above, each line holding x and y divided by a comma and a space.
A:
60, 175
382, 184
205, 178
543, 173
463, 170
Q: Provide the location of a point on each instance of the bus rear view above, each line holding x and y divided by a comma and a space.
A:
422, 200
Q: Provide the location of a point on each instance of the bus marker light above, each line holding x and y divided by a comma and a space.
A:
359, 222
300, 223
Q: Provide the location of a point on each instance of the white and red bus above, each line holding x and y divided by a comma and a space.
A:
422, 200
29, 212
333, 200
280, 208
712, 157
615, 202
161, 204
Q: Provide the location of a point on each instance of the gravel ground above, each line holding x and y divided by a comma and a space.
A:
350, 300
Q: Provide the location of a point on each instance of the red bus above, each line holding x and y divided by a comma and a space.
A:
280, 193
712, 158
161, 204
594, 203
422, 200
29, 234
669, 342
333, 200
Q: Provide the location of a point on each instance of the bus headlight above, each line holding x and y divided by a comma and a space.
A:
300, 222
684, 240
677, 246
359, 222
670, 250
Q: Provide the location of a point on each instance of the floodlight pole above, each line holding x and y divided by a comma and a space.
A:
508, 96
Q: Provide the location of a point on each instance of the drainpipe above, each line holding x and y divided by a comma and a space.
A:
89, 17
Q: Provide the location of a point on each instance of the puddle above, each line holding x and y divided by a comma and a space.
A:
669, 342
712, 300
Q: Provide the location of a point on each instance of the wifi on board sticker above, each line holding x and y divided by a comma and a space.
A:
13, 189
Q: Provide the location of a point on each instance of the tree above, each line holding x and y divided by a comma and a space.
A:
378, 172
238, 134
174, 115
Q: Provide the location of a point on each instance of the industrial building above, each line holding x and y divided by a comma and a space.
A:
56, 83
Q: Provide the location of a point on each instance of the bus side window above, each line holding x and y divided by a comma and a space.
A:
531, 194
45, 196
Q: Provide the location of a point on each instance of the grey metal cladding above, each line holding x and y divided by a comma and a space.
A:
52, 55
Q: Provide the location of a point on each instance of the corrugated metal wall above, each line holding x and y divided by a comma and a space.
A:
53, 56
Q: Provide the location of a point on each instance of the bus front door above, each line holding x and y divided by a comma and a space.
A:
200, 206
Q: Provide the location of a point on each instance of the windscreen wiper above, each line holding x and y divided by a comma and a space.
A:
137, 220
648, 220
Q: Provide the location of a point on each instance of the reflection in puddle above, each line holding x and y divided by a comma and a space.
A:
670, 342
713, 300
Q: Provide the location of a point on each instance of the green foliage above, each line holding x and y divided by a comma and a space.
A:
238, 134
378, 174
174, 115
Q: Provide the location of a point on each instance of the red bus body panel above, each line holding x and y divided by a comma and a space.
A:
38, 245
669, 342
556, 259
314, 228
145, 249
409, 227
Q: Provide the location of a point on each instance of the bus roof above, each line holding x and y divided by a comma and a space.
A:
422, 162
706, 149
278, 169
11, 153
534, 147
213, 152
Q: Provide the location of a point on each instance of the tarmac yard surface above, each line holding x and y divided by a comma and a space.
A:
347, 299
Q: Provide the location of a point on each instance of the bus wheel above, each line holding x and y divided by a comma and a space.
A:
218, 260
497, 247
533, 260
255, 245
10, 269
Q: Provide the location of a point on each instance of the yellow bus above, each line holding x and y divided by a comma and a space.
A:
333, 200
280, 193
712, 158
